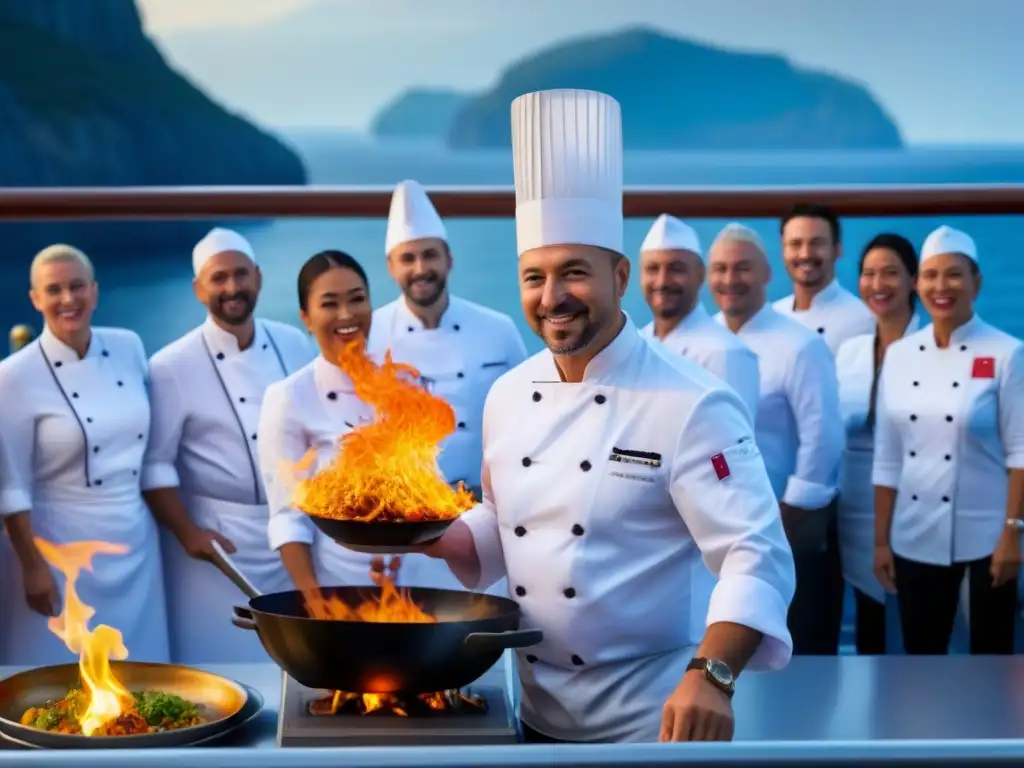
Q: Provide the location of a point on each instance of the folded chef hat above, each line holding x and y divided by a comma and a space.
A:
948, 240
219, 240
567, 157
670, 234
412, 216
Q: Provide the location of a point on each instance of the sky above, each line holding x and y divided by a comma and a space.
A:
948, 71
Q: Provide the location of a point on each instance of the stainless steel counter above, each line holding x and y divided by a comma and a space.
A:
827, 711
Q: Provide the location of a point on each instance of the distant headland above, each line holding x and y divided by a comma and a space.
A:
675, 94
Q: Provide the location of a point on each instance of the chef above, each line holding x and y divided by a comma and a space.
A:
949, 461
671, 276
888, 266
636, 469
811, 245
202, 478
459, 347
75, 419
799, 427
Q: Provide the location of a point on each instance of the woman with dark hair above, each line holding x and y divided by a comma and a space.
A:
888, 267
310, 410
949, 461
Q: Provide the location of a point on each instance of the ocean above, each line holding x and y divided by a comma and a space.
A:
152, 293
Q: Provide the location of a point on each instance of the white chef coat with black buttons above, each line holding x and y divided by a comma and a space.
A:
604, 513
718, 351
313, 408
950, 424
74, 439
459, 361
835, 314
855, 366
799, 427
206, 396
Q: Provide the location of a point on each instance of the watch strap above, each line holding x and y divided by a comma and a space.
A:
702, 664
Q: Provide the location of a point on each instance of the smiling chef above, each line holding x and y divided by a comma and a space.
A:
613, 471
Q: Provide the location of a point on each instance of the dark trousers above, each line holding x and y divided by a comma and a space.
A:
530, 736
869, 627
928, 596
816, 613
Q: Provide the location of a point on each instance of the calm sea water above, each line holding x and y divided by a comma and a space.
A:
153, 293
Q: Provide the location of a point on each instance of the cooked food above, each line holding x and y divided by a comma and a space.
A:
150, 712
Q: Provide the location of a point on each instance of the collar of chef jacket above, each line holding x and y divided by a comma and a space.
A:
222, 342
59, 353
331, 380
607, 363
762, 317
960, 336
405, 320
827, 295
692, 319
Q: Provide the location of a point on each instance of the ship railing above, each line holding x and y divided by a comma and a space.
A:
263, 203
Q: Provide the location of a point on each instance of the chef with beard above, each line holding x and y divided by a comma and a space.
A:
799, 427
636, 469
811, 245
671, 276
458, 347
202, 478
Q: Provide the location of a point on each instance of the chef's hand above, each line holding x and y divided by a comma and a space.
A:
198, 543
697, 711
1006, 558
885, 569
41, 591
378, 567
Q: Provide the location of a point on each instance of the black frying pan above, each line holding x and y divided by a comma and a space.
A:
472, 632
378, 536
220, 701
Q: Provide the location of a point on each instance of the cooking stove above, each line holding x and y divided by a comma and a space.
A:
479, 714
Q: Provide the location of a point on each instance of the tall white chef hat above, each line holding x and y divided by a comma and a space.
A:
567, 155
948, 240
670, 234
412, 216
216, 241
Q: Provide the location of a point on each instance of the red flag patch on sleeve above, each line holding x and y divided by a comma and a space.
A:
720, 465
984, 368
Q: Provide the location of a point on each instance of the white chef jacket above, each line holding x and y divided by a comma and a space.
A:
206, 395
950, 423
855, 366
718, 351
459, 360
607, 514
835, 313
799, 427
313, 408
74, 436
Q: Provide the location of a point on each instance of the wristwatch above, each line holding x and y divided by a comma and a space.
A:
717, 672
1015, 524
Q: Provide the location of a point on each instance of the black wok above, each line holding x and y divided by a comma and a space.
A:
379, 536
470, 635
221, 702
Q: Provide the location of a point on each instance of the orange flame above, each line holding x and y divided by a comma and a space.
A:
106, 696
393, 606
386, 470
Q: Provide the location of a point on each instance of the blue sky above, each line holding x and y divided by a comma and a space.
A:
949, 71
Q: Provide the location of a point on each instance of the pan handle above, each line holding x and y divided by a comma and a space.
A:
499, 641
243, 618
226, 565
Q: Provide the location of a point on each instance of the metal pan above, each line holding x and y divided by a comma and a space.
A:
471, 633
220, 700
381, 537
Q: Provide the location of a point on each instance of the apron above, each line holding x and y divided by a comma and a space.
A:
200, 598
126, 590
856, 523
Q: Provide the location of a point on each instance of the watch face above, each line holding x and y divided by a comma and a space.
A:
720, 671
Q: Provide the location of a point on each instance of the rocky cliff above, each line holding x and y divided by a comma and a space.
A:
677, 94
87, 99
419, 113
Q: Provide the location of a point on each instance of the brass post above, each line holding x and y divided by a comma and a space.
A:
19, 336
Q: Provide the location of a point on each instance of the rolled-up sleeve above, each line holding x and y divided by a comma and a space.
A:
282, 443
483, 518
166, 423
1011, 409
813, 392
721, 488
888, 462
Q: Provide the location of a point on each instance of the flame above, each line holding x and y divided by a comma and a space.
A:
386, 470
368, 703
106, 696
393, 606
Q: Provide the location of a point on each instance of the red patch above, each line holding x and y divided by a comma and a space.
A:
984, 368
721, 466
